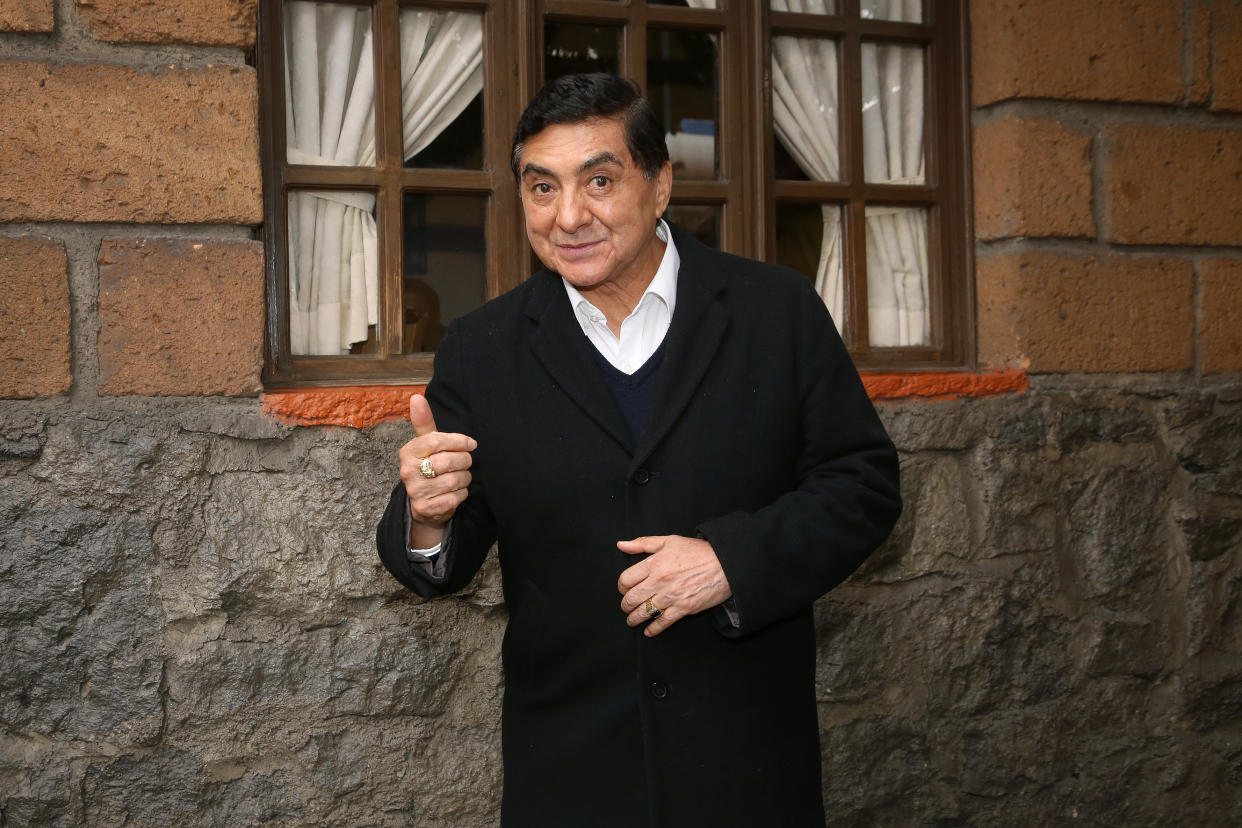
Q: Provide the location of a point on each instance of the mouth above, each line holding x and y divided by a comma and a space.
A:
578, 250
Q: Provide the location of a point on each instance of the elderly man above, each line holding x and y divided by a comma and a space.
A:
675, 457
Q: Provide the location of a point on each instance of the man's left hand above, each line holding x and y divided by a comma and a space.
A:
681, 576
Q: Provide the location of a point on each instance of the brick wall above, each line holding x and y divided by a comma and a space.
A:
130, 197
1108, 185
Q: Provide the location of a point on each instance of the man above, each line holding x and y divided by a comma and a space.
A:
675, 457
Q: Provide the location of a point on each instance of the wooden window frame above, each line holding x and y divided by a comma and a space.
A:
745, 185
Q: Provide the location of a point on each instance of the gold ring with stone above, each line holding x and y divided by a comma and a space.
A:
652, 612
425, 469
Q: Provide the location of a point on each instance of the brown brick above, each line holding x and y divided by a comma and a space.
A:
1221, 296
34, 319
1227, 56
1063, 313
180, 317
26, 16
1174, 185
198, 22
1200, 53
99, 142
1111, 50
1032, 178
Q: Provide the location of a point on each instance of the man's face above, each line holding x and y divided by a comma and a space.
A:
590, 211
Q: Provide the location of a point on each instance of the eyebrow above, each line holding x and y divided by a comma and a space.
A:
596, 160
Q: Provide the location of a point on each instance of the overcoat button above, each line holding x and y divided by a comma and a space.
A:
641, 477
659, 690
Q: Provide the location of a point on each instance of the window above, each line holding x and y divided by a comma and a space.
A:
828, 136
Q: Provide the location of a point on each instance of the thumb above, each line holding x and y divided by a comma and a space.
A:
641, 546
420, 416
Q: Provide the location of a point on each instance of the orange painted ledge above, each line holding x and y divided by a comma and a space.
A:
933, 385
363, 406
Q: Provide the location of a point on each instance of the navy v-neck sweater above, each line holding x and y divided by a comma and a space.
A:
634, 393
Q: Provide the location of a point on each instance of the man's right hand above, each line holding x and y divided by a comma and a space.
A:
433, 500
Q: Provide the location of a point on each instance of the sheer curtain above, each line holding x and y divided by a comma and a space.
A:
805, 118
804, 110
330, 119
892, 118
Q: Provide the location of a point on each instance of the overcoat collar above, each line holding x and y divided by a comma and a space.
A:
694, 335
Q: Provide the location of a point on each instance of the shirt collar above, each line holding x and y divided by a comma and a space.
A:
663, 285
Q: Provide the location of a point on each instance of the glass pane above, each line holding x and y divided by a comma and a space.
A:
910, 11
806, 6
441, 88
804, 107
683, 86
892, 113
329, 85
333, 272
897, 285
571, 47
445, 267
699, 220
694, 4
808, 239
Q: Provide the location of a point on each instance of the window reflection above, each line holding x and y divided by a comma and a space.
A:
572, 47
683, 87
445, 265
699, 220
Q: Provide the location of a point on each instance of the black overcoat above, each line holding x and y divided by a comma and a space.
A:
763, 441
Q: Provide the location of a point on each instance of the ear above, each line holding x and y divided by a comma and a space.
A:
664, 187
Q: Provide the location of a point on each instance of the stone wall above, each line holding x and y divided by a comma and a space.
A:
196, 628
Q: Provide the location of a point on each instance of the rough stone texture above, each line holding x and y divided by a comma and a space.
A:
196, 628
1057, 312
198, 22
180, 317
1168, 184
169, 146
1220, 342
34, 319
1032, 177
1227, 56
1122, 50
26, 16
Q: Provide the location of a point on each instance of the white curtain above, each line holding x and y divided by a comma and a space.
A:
330, 119
892, 118
804, 109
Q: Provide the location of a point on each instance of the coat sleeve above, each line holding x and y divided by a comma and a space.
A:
780, 558
474, 528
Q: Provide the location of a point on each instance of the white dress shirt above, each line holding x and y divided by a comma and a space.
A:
641, 332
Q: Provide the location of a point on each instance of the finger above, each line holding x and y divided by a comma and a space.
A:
632, 577
636, 613
438, 509
425, 488
435, 442
642, 546
420, 415
667, 619
443, 462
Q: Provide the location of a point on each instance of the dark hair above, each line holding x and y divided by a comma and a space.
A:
571, 99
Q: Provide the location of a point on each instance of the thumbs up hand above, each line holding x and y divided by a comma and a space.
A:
435, 470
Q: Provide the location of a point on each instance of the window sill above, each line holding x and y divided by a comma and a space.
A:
368, 405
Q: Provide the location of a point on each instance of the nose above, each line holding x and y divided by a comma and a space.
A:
571, 212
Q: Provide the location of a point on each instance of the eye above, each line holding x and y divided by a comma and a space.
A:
600, 181
541, 188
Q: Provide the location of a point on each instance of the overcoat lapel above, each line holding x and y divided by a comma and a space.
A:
559, 344
698, 326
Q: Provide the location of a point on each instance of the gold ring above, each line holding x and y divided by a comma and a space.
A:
652, 612
425, 469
